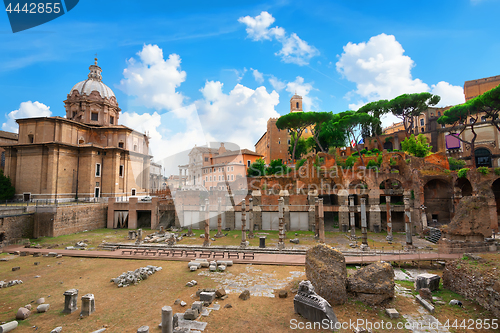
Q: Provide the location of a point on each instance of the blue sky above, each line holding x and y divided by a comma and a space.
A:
192, 72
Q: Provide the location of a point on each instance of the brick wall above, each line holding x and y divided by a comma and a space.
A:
65, 220
16, 226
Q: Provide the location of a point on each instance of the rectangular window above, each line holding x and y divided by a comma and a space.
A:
219, 178
206, 178
228, 169
232, 177
210, 178
122, 169
421, 122
248, 163
206, 159
111, 120
94, 116
98, 170
232, 168
120, 144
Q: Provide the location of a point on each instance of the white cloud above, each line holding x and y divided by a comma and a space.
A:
258, 76
240, 116
302, 89
294, 50
450, 95
26, 110
154, 80
382, 71
277, 84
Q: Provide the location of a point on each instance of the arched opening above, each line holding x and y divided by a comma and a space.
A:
81, 141
495, 187
438, 202
483, 157
465, 186
392, 198
297, 105
388, 145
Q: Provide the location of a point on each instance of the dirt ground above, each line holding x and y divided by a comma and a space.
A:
126, 309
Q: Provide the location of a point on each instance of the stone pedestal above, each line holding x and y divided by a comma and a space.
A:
70, 300
88, 305
166, 320
427, 280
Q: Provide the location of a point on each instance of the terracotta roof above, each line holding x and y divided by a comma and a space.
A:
9, 135
237, 152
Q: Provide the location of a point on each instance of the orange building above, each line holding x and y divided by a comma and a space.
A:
475, 88
274, 143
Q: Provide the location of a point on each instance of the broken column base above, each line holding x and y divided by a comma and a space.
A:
281, 245
364, 247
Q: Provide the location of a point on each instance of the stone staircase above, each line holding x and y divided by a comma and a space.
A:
434, 236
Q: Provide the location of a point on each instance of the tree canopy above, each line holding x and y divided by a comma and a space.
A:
374, 129
352, 122
317, 120
296, 122
7, 191
407, 106
416, 146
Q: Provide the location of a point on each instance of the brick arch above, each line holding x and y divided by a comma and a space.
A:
382, 178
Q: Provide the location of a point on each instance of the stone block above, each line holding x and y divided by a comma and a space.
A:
426, 294
283, 294
220, 292
213, 268
327, 272
57, 330
392, 313
190, 314
427, 280
193, 268
245, 295
194, 263
16, 268
52, 254
197, 305
312, 306
22, 313
41, 300
428, 306
372, 284
42, 308
206, 296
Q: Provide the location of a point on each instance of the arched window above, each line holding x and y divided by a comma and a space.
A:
30, 138
297, 105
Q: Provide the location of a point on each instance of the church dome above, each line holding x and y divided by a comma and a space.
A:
93, 83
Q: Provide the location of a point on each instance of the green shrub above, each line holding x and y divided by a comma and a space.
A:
462, 173
372, 164
416, 146
407, 161
456, 164
393, 162
497, 171
483, 170
349, 162
300, 163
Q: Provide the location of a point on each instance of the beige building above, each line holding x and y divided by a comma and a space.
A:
85, 155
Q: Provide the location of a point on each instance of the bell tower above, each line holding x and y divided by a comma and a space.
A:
296, 103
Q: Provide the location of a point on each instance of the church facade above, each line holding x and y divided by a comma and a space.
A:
85, 155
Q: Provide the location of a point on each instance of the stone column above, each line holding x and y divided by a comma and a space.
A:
352, 219
343, 211
250, 217
88, 305
374, 207
316, 217
286, 211
408, 228
364, 227
244, 241
424, 217
257, 211
219, 219
70, 300
230, 223
139, 237
7, 327
389, 218
321, 215
166, 320
281, 243
207, 224
311, 199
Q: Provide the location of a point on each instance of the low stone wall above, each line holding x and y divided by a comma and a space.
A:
457, 246
478, 283
16, 226
55, 221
